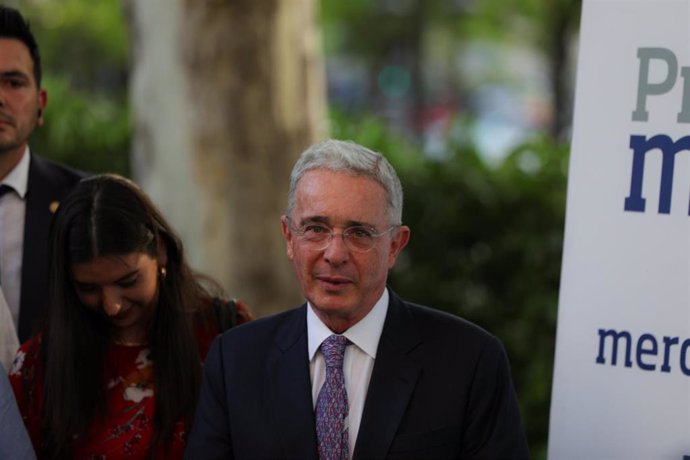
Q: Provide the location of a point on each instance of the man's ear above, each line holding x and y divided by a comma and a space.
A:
399, 240
287, 235
42, 103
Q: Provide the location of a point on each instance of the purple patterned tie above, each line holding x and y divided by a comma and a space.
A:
332, 405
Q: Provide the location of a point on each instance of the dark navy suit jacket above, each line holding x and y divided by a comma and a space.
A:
440, 388
48, 183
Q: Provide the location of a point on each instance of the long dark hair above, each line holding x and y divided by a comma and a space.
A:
110, 215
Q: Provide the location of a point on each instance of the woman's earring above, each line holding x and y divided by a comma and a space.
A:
163, 273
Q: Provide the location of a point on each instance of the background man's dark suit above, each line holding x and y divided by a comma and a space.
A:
48, 183
440, 388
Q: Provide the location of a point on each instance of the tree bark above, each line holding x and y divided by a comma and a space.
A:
225, 96
561, 25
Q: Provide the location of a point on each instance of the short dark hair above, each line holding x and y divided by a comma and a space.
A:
13, 25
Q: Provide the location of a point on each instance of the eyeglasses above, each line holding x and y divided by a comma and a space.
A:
358, 238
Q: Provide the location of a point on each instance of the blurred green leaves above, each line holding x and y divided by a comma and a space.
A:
87, 130
84, 43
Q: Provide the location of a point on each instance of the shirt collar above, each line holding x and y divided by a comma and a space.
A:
365, 333
18, 178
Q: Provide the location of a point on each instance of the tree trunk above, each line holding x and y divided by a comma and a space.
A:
225, 96
561, 24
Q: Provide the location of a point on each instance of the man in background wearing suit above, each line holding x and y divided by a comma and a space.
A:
356, 372
30, 187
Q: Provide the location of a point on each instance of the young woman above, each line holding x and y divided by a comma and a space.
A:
115, 372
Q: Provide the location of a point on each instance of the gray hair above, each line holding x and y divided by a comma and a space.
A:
354, 159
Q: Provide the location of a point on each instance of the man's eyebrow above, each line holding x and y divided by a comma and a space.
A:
327, 221
14, 74
356, 223
314, 219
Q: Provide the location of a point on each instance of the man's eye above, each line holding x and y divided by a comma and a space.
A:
315, 229
359, 233
14, 82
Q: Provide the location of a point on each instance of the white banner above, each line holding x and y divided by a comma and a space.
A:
622, 371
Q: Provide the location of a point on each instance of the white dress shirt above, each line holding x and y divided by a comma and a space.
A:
12, 212
358, 362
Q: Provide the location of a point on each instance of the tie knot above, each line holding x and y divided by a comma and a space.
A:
333, 349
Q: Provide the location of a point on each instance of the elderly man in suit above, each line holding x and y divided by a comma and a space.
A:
30, 187
356, 372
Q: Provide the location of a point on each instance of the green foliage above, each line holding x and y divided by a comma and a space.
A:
532, 21
486, 245
86, 130
369, 130
381, 31
87, 44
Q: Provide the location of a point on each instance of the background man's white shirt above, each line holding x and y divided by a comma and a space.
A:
12, 212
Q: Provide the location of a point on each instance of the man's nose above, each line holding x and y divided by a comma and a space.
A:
112, 302
337, 251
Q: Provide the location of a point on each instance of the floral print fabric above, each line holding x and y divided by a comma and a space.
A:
128, 429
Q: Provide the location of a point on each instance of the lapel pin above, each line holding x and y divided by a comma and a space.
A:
53, 206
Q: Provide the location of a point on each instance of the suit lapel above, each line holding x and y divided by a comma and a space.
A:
290, 388
392, 381
35, 252
48, 183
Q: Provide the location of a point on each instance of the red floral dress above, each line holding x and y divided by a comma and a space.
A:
127, 431
129, 383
